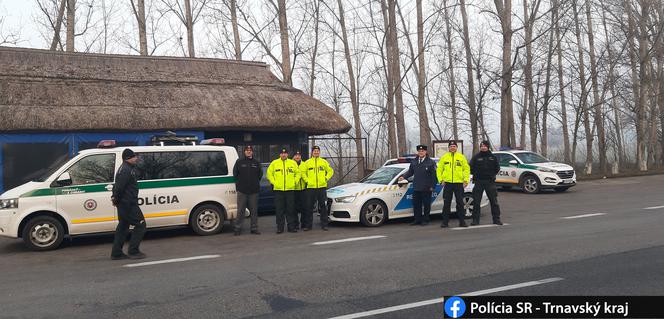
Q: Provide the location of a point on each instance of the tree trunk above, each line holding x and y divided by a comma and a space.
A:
314, 54
396, 78
337, 106
353, 93
507, 136
139, 14
529, 99
561, 86
620, 153
583, 103
522, 119
472, 107
547, 89
425, 132
285, 48
644, 76
71, 23
452, 81
58, 25
391, 129
189, 24
236, 31
599, 116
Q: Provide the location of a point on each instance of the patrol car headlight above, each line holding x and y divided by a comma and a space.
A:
546, 170
345, 199
8, 203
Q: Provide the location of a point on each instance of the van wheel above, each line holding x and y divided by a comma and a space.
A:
43, 233
207, 220
530, 184
373, 213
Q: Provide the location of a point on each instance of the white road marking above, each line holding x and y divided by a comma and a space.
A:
478, 226
440, 300
168, 261
584, 215
654, 207
347, 240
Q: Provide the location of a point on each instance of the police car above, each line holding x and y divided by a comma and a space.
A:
533, 172
379, 197
178, 185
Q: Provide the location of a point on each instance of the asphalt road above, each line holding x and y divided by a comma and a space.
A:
615, 247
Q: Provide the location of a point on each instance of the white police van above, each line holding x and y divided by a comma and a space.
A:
178, 185
533, 172
379, 197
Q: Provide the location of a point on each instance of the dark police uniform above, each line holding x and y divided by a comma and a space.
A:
423, 171
248, 174
125, 197
485, 166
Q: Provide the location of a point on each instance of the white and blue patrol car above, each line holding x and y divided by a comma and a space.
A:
533, 172
378, 197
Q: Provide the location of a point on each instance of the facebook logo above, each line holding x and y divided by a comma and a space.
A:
455, 307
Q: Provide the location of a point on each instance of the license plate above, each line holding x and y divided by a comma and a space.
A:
567, 181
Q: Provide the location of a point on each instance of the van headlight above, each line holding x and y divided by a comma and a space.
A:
546, 170
345, 199
8, 203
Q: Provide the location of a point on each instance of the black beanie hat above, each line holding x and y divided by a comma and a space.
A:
127, 154
486, 143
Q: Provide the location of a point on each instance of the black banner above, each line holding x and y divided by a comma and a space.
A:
555, 307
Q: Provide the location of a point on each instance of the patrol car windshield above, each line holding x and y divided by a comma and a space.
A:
382, 176
46, 173
531, 158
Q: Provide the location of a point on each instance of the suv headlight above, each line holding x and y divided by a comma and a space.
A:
8, 203
345, 199
546, 170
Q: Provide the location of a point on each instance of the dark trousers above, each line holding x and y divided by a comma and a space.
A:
319, 196
421, 201
244, 202
455, 189
300, 207
285, 202
128, 215
489, 187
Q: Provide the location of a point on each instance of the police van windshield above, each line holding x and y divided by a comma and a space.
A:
531, 158
44, 174
382, 176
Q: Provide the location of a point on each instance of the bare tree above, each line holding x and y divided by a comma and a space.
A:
396, 76
452, 81
285, 50
58, 25
599, 117
236, 32
425, 132
353, 92
507, 135
71, 22
472, 108
620, 153
188, 15
529, 99
583, 103
139, 14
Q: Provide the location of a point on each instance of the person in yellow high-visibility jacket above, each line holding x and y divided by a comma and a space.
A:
316, 171
300, 194
283, 173
454, 173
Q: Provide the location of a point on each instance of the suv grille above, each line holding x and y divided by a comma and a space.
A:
565, 174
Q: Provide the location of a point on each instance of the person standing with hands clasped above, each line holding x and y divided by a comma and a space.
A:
316, 171
125, 198
283, 174
454, 173
485, 166
423, 170
248, 174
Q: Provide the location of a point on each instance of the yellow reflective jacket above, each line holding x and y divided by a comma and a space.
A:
453, 168
301, 185
316, 171
283, 174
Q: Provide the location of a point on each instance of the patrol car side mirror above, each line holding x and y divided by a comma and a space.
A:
402, 183
64, 179
513, 162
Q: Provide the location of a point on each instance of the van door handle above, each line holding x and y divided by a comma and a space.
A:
109, 187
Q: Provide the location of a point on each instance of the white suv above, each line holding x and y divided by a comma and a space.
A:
533, 172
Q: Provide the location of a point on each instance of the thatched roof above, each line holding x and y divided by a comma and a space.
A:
55, 91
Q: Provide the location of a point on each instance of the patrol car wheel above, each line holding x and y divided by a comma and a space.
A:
530, 184
373, 214
43, 233
468, 205
207, 220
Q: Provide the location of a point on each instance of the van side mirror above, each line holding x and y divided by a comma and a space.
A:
513, 162
64, 179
